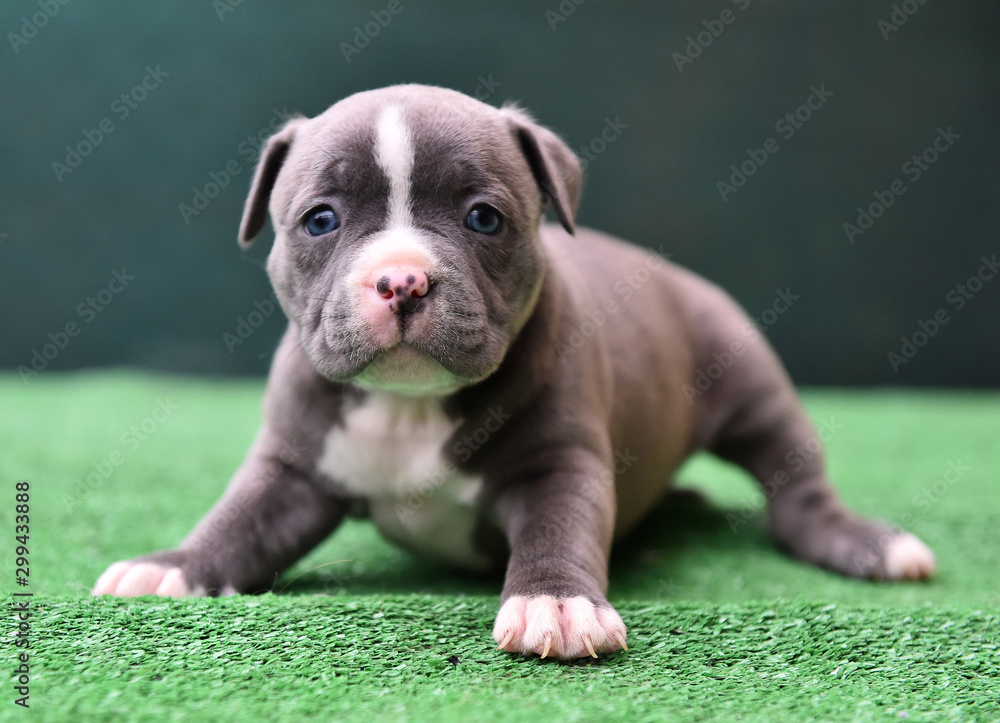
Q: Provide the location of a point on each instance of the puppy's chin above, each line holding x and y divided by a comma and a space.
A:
407, 371
434, 361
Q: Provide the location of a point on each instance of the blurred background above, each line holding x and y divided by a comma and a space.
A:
833, 165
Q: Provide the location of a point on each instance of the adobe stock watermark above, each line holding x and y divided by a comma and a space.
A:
130, 440
248, 324
87, 310
224, 7
667, 588
933, 493
250, 147
364, 34
786, 127
698, 43
608, 135
462, 449
486, 88
795, 461
706, 376
900, 15
596, 317
956, 299
30, 25
122, 108
913, 169
923, 501
260, 476
581, 505
561, 12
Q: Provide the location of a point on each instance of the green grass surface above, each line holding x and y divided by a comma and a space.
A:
721, 625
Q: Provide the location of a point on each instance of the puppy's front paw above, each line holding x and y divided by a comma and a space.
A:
131, 578
563, 628
907, 558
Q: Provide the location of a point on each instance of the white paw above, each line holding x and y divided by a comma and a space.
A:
563, 628
131, 579
907, 558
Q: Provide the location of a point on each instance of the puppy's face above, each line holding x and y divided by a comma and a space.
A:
406, 248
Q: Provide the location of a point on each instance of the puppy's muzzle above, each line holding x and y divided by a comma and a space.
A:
401, 288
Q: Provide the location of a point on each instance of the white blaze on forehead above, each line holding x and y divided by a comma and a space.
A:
394, 153
398, 246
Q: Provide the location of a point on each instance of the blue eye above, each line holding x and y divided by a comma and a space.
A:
321, 220
483, 219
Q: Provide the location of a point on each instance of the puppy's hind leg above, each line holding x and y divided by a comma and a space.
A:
765, 430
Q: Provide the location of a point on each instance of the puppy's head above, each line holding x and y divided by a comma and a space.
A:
406, 233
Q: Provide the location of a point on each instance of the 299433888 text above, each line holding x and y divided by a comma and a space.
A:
21, 605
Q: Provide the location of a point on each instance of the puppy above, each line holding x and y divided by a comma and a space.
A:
490, 390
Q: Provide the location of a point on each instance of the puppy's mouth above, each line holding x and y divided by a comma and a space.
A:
433, 349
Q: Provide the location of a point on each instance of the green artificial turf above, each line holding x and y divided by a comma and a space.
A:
721, 625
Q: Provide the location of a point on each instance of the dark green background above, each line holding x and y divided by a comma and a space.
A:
655, 184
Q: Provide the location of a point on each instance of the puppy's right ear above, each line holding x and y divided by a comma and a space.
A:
271, 160
555, 168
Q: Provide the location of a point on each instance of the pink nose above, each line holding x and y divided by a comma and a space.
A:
402, 287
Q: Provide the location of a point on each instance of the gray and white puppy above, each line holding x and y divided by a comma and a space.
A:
490, 390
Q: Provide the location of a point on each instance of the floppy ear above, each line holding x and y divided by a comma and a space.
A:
271, 159
554, 166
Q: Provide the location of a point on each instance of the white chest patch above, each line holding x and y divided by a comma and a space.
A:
389, 451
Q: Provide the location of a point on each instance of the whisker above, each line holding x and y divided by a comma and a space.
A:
325, 564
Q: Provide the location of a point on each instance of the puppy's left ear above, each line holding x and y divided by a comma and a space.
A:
271, 160
554, 166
